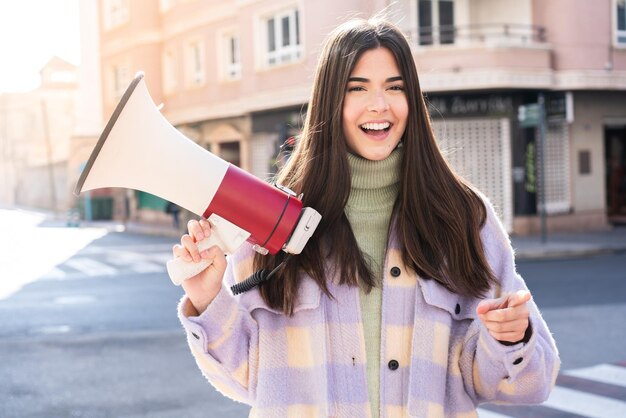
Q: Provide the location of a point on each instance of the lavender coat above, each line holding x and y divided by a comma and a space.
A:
437, 358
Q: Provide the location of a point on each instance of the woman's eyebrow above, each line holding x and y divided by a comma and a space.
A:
366, 80
358, 79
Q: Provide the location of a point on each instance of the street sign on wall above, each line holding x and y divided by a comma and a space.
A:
560, 106
528, 115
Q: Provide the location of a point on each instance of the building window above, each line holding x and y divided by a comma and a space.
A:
435, 20
621, 22
283, 37
120, 76
230, 152
195, 63
169, 72
116, 13
231, 56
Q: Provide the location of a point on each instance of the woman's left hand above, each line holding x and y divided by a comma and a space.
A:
506, 317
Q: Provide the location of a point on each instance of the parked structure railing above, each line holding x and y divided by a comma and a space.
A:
488, 33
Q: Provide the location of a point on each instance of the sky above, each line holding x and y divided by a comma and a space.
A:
32, 32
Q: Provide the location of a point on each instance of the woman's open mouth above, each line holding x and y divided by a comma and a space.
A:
381, 126
376, 129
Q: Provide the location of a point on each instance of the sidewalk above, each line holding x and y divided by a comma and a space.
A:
49, 219
573, 244
134, 228
557, 245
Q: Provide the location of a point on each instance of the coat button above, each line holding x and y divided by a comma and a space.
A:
195, 335
518, 361
395, 271
457, 309
393, 365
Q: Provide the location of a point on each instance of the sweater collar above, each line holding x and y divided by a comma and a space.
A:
375, 184
367, 174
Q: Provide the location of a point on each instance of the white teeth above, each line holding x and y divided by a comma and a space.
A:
376, 126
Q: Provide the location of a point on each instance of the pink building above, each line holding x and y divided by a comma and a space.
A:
235, 76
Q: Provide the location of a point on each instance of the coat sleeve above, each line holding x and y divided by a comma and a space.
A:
224, 341
524, 373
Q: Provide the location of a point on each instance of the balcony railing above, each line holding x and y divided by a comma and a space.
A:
482, 34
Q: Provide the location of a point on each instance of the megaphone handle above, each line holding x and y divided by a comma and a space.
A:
224, 234
180, 270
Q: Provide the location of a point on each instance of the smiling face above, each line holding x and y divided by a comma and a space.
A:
375, 106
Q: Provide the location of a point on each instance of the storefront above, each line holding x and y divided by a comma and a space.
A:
482, 138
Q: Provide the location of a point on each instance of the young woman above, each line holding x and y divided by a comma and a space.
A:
406, 301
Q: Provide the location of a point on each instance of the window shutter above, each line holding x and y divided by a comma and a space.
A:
480, 151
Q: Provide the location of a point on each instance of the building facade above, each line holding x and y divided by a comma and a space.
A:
235, 77
35, 131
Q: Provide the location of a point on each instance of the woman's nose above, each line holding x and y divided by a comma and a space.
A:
378, 103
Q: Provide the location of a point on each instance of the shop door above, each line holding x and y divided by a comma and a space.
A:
615, 157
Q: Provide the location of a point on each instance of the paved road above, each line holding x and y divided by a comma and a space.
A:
88, 328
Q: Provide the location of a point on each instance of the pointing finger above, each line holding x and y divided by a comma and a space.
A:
519, 298
487, 305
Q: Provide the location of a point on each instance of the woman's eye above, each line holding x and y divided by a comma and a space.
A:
397, 88
356, 88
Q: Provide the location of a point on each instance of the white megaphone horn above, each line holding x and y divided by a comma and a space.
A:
139, 149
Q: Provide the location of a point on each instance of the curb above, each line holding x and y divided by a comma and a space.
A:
526, 248
563, 253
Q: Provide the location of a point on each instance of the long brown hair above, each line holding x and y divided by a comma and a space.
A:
437, 215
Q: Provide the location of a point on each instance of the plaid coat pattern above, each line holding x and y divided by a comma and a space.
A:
437, 359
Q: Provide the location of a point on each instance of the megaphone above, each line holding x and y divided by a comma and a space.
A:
139, 149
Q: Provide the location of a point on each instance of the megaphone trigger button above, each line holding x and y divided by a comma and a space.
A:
310, 222
260, 250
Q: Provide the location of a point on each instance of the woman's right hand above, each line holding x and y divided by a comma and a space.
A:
204, 286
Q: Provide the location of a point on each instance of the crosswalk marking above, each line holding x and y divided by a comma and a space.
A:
586, 404
108, 263
593, 392
55, 273
134, 262
90, 267
483, 413
605, 373
74, 299
160, 258
146, 267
